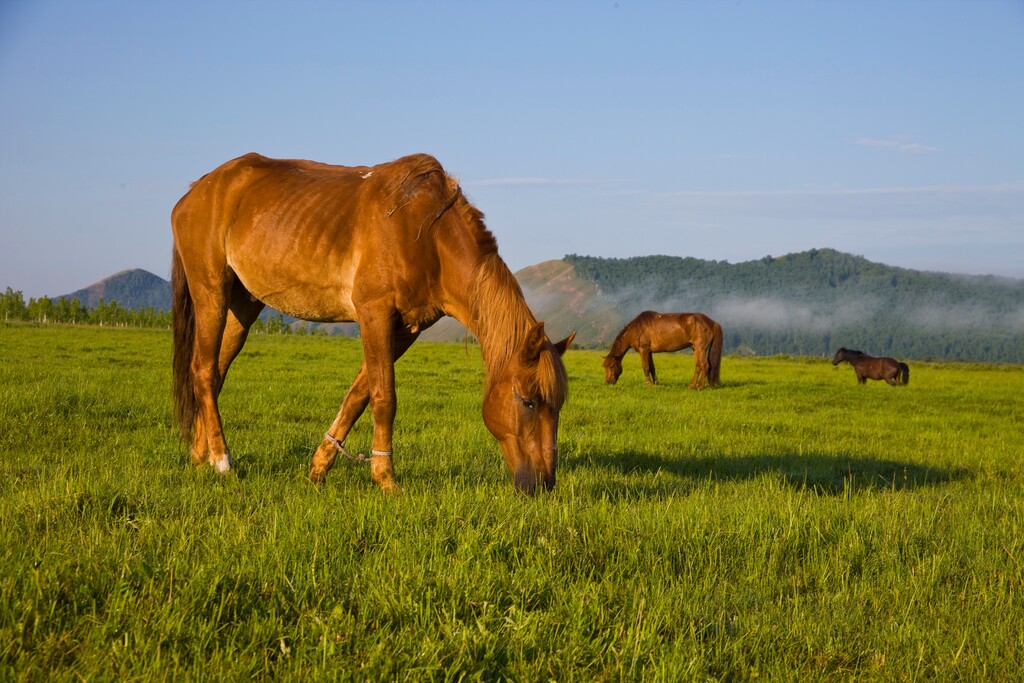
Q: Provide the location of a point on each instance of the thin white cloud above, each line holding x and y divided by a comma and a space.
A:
532, 182
1001, 189
908, 148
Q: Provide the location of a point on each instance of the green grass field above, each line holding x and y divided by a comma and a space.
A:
790, 526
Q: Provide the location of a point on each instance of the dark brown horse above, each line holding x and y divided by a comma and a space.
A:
393, 247
869, 367
652, 332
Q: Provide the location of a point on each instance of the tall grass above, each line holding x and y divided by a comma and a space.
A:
791, 525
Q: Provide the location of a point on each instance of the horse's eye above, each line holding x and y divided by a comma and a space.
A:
528, 403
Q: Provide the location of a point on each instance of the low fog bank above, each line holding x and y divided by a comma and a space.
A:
816, 321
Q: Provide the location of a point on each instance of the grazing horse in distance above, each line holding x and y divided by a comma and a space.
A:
652, 332
868, 367
393, 247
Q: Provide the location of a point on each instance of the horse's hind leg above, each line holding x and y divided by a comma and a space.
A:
211, 312
224, 312
700, 368
352, 407
242, 313
647, 362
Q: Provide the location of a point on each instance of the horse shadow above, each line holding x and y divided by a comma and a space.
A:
820, 473
643, 475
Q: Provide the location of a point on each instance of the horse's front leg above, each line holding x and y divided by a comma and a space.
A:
355, 402
380, 374
352, 407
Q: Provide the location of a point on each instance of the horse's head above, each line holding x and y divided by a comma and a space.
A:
839, 357
521, 406
612, 369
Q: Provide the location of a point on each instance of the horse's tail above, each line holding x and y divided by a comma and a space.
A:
183, 314
715, 356
904, 372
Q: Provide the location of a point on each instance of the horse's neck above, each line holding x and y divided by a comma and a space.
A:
621, 344
499, 316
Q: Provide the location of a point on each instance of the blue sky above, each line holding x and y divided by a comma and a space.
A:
721, 130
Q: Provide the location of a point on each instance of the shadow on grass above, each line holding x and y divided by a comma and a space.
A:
823, 474
632, 474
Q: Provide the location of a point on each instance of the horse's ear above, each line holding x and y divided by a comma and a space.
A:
563, 345
534, 342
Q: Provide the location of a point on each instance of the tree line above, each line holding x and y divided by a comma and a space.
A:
62, 310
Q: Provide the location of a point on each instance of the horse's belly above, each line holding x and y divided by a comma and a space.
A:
316, 305
669, 346
298, 295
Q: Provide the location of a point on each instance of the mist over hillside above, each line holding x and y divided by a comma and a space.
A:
808, 303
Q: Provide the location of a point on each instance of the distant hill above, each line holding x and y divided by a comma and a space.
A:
131, 289
808, 303
137, 289
556, 295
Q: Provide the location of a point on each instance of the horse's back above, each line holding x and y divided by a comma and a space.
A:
259, 180
291, 230
694, 326
676, 331
224, 189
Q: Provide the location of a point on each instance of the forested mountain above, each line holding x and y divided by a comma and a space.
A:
813, 302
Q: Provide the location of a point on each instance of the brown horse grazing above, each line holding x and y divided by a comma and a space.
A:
393, 247
868, 367
652, 332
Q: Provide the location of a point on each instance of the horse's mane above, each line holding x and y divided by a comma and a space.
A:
620, 345
418, 174
618, 348
500, 317
502, 320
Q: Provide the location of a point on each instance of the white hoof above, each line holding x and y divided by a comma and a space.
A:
223, 466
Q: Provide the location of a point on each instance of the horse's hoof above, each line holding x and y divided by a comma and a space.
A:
391, 488
223, 466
